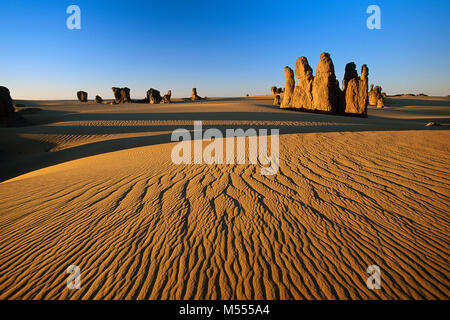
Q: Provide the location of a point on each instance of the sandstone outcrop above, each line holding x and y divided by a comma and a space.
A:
195, 96
166, 97
98, 99
376, 97
121, 95
154, 96
354, 90
289, 88
276, 100
321, 92
273, 90
303, 98
82, 96
325, 89
6, 104
8, 116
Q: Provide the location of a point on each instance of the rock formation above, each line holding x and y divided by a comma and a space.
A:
82, 96
153, 96
98, 99
166, 98
325, 89
195, 96
276, 100
303, 98
289, 88
6, 104
354, 90
8, 116
121, 95
321, 92
273, 90
375, 96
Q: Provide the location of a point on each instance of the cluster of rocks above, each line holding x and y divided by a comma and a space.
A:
274, 90
122, 95
376, 97
321, 92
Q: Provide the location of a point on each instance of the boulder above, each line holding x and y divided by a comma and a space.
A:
82, 96
154, 96
325, 90
98, 99
289, 88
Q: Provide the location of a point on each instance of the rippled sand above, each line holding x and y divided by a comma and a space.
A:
99, 190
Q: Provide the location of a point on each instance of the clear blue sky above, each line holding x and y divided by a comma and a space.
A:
224, 48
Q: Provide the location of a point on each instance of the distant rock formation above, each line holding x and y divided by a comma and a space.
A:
325, 89
82, 96
98, 99
8, 116
195, 96
121, 95
153, 96
321, 92
354, 90
375, 96
273, 90
276, 100
289, 88
6, 104
303, 98
166, 97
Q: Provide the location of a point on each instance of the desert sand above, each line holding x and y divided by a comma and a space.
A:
94, 186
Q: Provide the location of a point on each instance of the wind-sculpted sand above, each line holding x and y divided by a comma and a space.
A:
348, 194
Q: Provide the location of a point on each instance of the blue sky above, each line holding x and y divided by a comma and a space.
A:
224, 48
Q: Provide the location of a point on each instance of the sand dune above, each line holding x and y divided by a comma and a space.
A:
105, 196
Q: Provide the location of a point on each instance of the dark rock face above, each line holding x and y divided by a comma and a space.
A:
195, 96
166, 97
98, 99
153, 96
8, 116
121, 95
6, 104
82, 96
